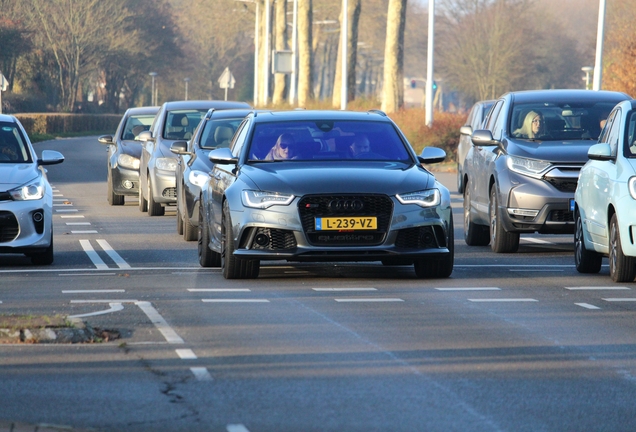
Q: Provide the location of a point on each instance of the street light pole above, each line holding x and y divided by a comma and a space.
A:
256, 50
267, 52
186, 80
153, 101
345, 33
292, 78
429, 63
598, 64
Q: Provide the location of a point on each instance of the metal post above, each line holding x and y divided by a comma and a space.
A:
292, 78
267, 50
256, 51
152, 94
186, 80
344, 29
598, 64
429, 63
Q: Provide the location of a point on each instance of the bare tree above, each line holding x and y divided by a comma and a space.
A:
305, 53
353, 18
393, 90
620, 74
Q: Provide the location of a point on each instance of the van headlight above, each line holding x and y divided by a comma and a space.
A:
529, 167
33, 190
423, 198
166, 164
263, 199
128, 161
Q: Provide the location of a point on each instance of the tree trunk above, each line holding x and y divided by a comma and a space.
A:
280, 79
393, 90
352, 50
305, 59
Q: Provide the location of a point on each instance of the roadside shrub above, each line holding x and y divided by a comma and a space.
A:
56, 124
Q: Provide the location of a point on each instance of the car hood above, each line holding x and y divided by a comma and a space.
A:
14, 175
132, 148
299, 178
552, 151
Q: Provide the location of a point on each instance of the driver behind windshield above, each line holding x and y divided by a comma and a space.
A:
283, 149
533, 126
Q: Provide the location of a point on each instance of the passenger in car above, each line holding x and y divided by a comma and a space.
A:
283, 149
360, 145
533, 126
8, 150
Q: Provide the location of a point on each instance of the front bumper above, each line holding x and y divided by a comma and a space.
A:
21, 229
125, 181
164, 186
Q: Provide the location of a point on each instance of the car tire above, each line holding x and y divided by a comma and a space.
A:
179, 221
207, 257
154, 208
190, 232
46, 257
622, 268
474, 234
501, 241
113, 198
426, 268
233, 267
143, 203
586, 261
460, 186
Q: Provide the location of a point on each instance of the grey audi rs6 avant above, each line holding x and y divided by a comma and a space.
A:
324, 186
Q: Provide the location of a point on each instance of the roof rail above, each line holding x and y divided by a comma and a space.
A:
377, 111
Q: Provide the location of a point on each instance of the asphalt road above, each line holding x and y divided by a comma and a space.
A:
514, 342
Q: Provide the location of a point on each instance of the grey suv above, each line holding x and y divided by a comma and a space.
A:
523, 167
473, 122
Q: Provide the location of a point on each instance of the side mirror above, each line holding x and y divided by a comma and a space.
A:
600, 152
222, 156
145, 136
466, 130
179, 147
50, 157
431, 155
483, 138
105, 139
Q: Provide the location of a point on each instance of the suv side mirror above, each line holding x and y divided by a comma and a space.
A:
483, 138
179, 147
600, 152
222, 156
145, 136
466, 130
105, 139
432, 155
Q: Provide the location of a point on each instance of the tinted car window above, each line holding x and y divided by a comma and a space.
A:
631, 135
12, 146
135, 125
181, 123
218, 133
329, 140
560, 122
492, 116
239, 139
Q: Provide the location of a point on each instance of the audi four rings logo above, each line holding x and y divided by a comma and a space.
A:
345, 205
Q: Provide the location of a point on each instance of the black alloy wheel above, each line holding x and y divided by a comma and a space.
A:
622, 268
586, 261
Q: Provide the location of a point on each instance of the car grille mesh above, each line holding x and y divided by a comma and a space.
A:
9, 228
278, 239
561, 216
312, 206
421, 238
563, 185
170, 193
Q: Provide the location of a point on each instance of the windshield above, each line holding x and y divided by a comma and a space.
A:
630, 143
559, 122
219, 133
181, 123
12, 146
135, 125
327, 140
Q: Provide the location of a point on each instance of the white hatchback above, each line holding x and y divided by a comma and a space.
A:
26, 199
605, 199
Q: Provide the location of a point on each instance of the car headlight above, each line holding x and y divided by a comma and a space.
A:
33, 190
424, 198
166, 164
198, 178
529, 167
632, 187
128, 161
263, 200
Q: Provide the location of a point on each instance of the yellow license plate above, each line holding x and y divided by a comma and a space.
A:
346, 223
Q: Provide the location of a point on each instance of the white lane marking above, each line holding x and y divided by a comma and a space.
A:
536, 240
587, 306
106, 301
59, 199
626, 299
62, 205
219, 290
72, 216
503, 300
93, 291
201, 374
344, 289
361, 300
236, 428
87, 274
161, 324
78, 223
536, 270
594, 288
195, 270
112, 254
235, 301
84, 232
186, 354
114, 307
99, 263
66, 210
470, 289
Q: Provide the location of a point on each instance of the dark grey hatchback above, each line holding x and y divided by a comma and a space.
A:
522, 171
324, 186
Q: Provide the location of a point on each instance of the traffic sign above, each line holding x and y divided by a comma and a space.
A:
226, 80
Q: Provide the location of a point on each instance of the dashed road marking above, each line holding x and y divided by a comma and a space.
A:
236, 428
186, 354
587, 306
168, 333
623, 299
235, 301
66, 210
72, 216
77, 223
470, 289
503, 300
536, 240
93, 291
596, 288
219, 290
344, 289
370, 300
84, 232
201, 374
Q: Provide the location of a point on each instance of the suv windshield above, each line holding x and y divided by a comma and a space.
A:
12, 146
559, 121
327, 140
